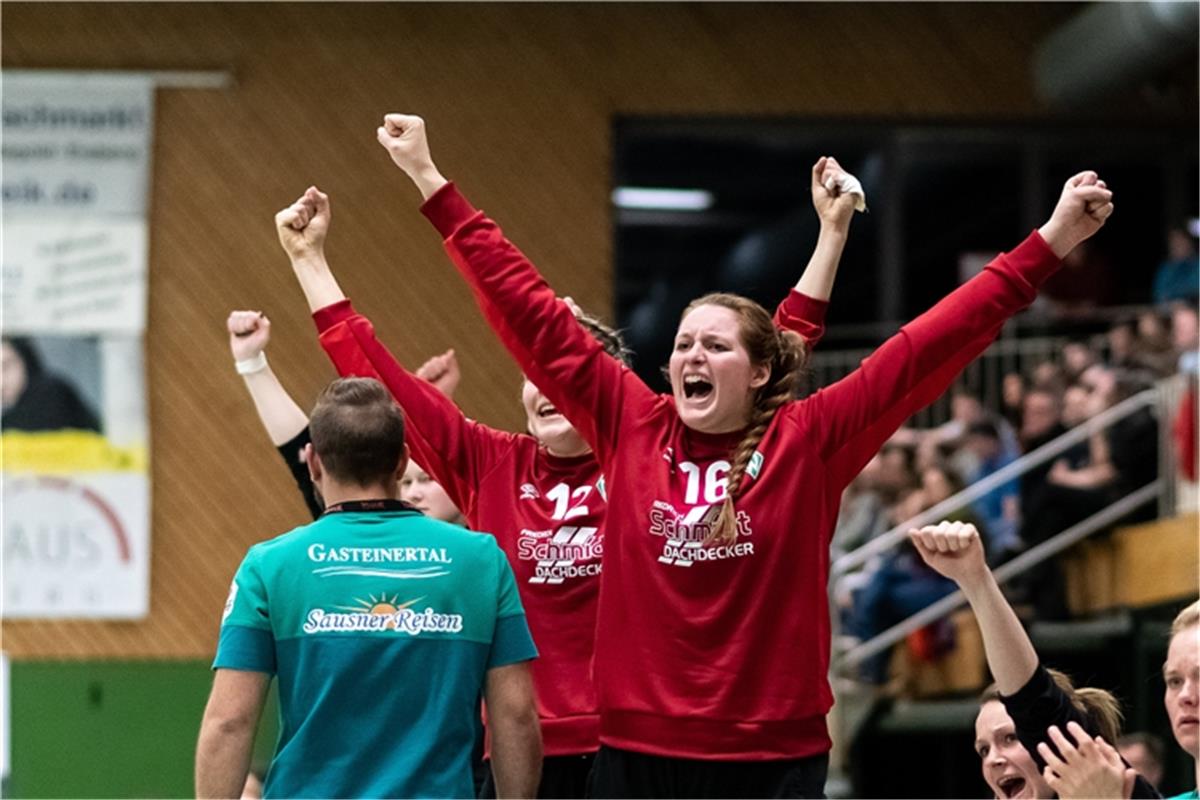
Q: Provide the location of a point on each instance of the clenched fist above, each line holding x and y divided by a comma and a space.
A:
303, 225
403, 136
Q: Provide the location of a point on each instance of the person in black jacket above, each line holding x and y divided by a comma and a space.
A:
37, 400
1013, 729
286, 423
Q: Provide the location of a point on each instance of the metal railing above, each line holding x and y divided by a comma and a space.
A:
1031, 557
1163, 398
985, 375
1082, 432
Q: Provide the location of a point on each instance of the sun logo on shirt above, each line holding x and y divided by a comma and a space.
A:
382, 605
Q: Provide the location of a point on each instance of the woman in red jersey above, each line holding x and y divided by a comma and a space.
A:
712, 637
542, 495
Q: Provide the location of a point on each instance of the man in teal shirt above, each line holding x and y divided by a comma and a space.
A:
383, 628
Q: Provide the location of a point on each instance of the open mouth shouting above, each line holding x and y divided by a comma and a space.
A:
697, 387
547, 410
1011, 785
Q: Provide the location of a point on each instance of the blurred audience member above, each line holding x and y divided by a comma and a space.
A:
1078, 355
999, 510
1155, 349
903, 584
1122, 339
1185, 335
1144, 752
1177, 277
864, 512
1041, 418
1012, 398
1119, 460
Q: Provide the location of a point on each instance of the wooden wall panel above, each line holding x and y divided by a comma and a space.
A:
519, 100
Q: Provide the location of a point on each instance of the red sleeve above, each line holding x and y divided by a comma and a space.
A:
592, 389
856, 415
804, 315
456, 451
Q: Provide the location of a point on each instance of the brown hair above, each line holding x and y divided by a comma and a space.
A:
610, 338
1185, 619
786, 354
357, 431
1100, 708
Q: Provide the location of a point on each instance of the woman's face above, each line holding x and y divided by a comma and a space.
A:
1181, 673
1007, 766
422, 491
13, 376
712, 378
548, 426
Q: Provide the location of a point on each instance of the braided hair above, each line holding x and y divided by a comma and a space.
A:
787, 355
610, 338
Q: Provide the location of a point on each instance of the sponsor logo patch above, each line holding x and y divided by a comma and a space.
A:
558, 555
382, 613
685, 534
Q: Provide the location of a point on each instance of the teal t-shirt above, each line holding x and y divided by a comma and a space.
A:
380, 627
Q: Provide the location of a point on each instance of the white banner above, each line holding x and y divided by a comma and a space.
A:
76, 170
76, 150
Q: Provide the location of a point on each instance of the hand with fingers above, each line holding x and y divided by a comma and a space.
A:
303, 225
1083, 207
443, 372
1087, 767
831, 198
249, 332
403, 136
953, 549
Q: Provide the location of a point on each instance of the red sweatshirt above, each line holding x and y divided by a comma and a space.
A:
722, 652
546, 512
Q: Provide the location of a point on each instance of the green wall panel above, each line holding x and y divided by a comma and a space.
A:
110, 729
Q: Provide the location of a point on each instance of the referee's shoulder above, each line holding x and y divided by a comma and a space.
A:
285, 540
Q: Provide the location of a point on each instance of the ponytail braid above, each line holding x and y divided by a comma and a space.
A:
610, 339
787, 359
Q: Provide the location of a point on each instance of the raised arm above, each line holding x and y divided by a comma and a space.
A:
570, 367
835, 203
836, 194
285, 422
451, 448
456, 451
954, 549
854, 416
281, 417
302, 228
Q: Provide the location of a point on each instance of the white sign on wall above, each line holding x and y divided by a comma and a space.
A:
76, 168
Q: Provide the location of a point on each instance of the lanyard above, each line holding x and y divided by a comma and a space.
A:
349, 506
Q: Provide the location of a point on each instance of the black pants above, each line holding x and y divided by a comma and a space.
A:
562, 776
622, 774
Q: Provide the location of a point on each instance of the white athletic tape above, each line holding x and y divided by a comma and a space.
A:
848, 184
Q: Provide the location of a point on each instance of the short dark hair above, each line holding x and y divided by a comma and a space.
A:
984, 428
357, 431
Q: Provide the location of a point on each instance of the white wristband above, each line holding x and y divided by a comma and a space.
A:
248, 366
